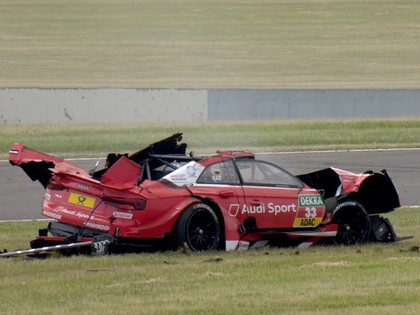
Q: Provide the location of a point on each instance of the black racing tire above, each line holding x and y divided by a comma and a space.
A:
353, 223
198, 228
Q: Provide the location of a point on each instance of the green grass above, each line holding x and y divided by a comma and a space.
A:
208, 44
369, 279
213, 44
97, 140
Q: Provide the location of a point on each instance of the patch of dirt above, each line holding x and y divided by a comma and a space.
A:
324, 264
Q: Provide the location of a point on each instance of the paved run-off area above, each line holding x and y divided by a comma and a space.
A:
20, 198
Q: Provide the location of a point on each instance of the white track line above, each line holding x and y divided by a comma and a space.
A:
276, 152
25, 220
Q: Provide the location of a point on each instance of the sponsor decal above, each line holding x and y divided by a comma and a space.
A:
191, 170
58, 216
216, 176
310, 212
63, 209
48, 196
74, 213
178, 177
82, 186
269, 208
310, 201
52, 215
276, 209
122, 215
307, 222
186, 174
96, 226
82, 200
234, 210
344, 204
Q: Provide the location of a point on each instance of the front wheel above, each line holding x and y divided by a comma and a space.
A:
198, 228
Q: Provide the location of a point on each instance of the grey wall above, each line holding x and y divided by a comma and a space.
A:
27, 106
312, 104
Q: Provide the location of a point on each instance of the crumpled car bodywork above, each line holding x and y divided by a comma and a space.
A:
161, 197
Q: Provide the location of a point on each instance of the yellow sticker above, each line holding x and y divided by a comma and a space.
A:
307, 222
82, 200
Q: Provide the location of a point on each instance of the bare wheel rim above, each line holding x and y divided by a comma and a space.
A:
202, 231
353, 228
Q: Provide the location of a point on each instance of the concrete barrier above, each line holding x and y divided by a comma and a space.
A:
312, 104
30, 106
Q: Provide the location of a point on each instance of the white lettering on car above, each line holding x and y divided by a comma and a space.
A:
270, 208
52, 215
276, 209
310, 201
97, 226
122, 215
78, 214
253, 209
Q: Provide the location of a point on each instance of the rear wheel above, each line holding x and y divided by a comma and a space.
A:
353, 223
198, 228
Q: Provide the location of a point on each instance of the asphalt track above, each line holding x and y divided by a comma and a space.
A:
20, 198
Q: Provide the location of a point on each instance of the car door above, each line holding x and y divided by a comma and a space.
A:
271, 195
220, 182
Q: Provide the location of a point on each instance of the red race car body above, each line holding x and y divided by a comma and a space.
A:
161, 197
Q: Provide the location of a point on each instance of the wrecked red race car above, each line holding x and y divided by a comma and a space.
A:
161, 197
